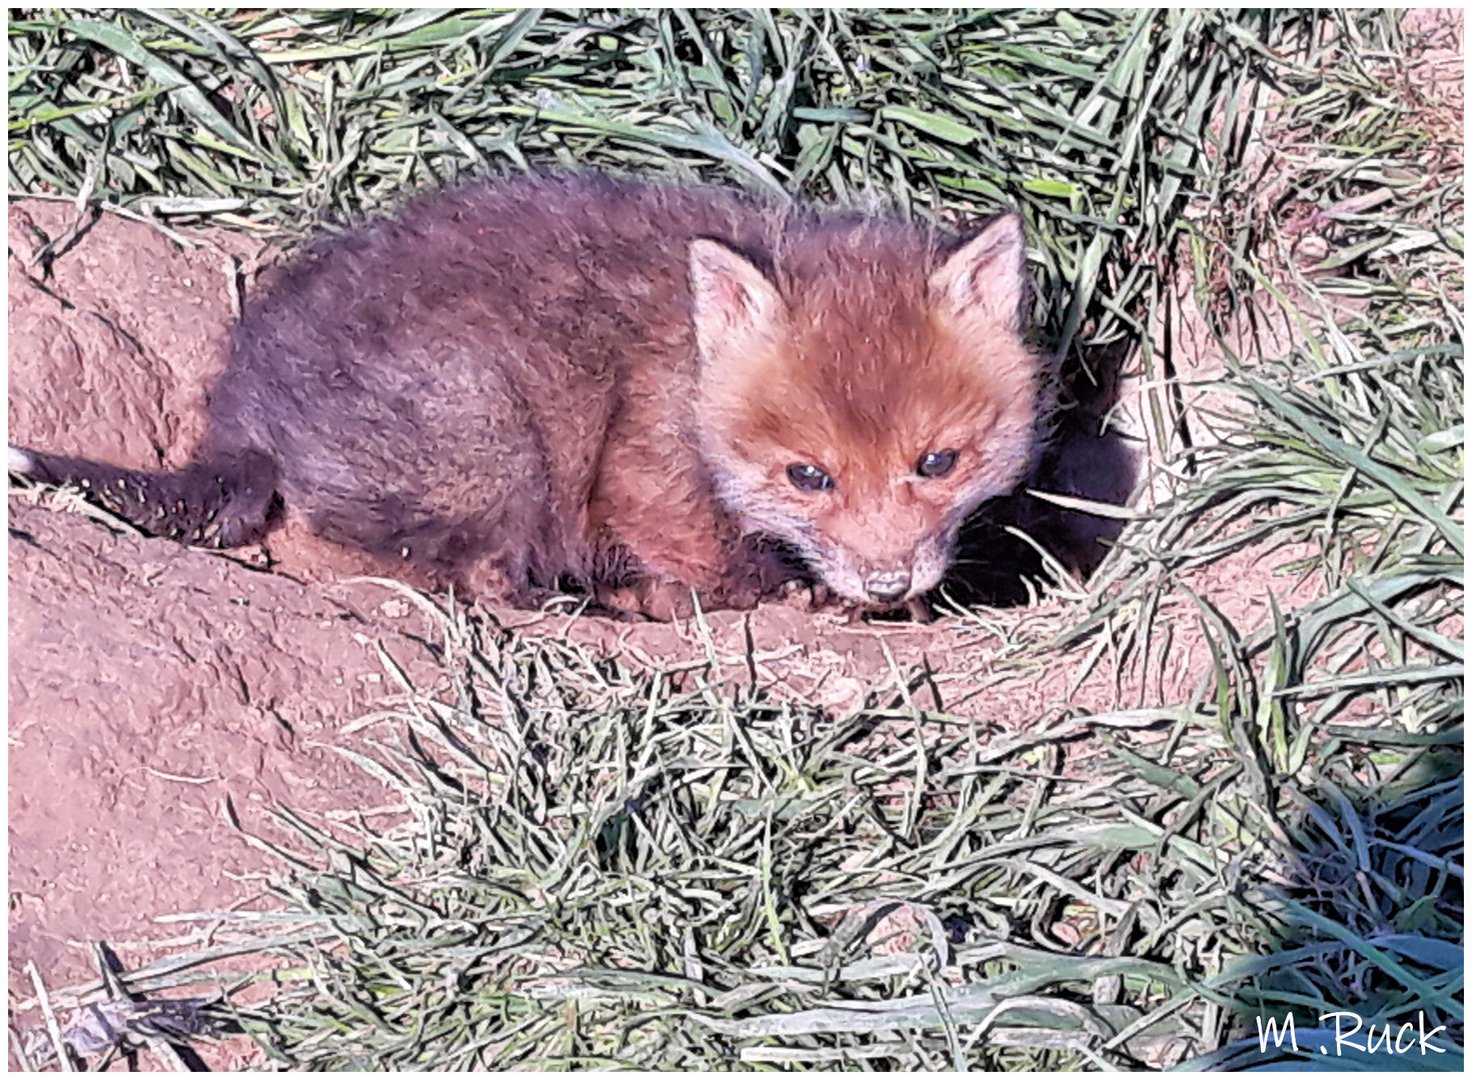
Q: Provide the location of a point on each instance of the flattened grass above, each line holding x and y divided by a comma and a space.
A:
600, 867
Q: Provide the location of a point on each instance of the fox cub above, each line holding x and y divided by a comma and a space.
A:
636, 390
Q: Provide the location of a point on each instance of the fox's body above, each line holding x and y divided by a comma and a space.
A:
514, 385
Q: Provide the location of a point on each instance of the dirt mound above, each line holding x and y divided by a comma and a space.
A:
148, 684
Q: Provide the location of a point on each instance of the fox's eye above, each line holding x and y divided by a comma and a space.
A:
936, 463
809, 478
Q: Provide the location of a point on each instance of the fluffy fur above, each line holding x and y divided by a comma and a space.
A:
518, 385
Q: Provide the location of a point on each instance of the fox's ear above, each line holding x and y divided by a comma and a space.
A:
735, 306
981, 285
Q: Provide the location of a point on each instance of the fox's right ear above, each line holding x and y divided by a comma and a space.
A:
735, 305
982, 284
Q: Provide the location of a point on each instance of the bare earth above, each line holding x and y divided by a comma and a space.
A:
151, 684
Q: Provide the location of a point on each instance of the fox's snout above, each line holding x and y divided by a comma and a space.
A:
894, 574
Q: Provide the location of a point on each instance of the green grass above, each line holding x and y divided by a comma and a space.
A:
1091, 123
598, 865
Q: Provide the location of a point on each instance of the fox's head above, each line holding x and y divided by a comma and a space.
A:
864, 393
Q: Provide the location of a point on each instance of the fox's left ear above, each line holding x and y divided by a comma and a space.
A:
982, 284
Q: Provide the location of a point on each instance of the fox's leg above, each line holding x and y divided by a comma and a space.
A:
669, 521
491, 582
729, 571
684, 554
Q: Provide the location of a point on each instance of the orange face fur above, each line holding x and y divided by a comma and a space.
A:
864, 396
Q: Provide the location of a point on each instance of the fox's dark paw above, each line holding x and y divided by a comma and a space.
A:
741, 596
759, 575
767, 570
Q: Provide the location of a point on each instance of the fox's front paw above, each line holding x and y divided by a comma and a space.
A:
740, 596
649, 598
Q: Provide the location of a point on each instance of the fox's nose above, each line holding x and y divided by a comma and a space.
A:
889, 586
